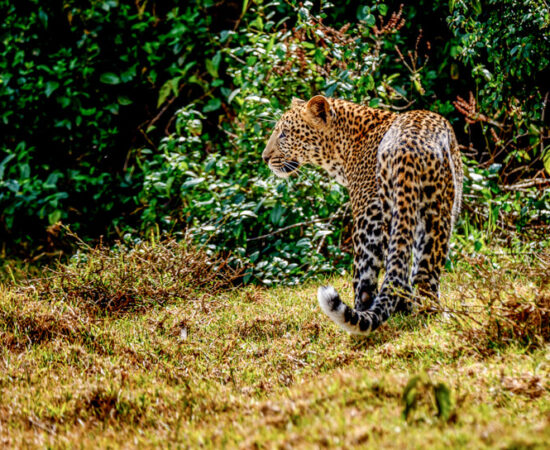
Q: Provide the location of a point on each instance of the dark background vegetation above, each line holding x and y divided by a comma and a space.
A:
131, 119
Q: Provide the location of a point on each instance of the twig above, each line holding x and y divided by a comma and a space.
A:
322, 241
163, 110
398, 108
48, 254
469, 110
294, 225
36, 423
544, 103
232, 137
538, 182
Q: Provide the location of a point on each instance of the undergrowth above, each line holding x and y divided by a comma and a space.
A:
506, 310
148, 273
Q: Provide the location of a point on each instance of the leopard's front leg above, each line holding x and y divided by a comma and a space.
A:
369, 243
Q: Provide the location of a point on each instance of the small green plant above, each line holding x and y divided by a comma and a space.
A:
422, 394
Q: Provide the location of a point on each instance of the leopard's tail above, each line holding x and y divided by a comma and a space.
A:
349, 319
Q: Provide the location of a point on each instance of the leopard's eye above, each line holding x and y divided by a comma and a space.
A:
282, 135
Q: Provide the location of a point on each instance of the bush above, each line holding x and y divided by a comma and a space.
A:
506, 44
111, 122
279, 229
80, 85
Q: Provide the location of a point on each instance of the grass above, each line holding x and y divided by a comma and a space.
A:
110, 351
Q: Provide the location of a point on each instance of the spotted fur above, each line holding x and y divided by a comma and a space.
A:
404, 176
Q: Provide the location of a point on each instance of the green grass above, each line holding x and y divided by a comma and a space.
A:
214, 366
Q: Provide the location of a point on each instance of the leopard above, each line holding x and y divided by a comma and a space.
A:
404, 175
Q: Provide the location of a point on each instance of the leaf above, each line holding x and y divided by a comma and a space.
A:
369, 82
217, 59
54, 217
171, 86
410, 396
212, 105
304, 243
546, 159
277, 214
330, 89
321, 233
87, 112
270, 44
43, 17
254, 256
51, 182
195, 127
476, 6
192, 182
51, 86
245, 6
212, 65
224, 35
370, 20
443, 401
258, 23
233, 95
374, 102
109, 78
362, 12
128, 75
4, 162
12, 185
124, 100
247, 213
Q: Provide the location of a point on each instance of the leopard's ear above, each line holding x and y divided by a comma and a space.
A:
318, 111
297, 102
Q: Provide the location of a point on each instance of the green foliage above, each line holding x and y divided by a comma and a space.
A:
235, 210
515, 31
78, 83
498, 210
281, 230
422, 394
136, 117
506, 45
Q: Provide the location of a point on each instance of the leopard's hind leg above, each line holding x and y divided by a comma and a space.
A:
432, 236
399, 196
369, 242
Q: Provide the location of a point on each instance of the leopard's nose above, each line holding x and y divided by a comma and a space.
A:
265, 158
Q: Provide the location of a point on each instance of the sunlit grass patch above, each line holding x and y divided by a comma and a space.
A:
252, 367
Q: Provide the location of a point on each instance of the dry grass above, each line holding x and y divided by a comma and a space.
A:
145, 275
512, 302
149, 346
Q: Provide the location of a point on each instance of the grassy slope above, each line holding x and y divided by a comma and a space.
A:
254, 367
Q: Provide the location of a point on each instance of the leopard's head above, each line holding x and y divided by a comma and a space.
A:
298, 136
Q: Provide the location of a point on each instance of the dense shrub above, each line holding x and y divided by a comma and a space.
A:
81, 84
284, 229
134, 118
506, 43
